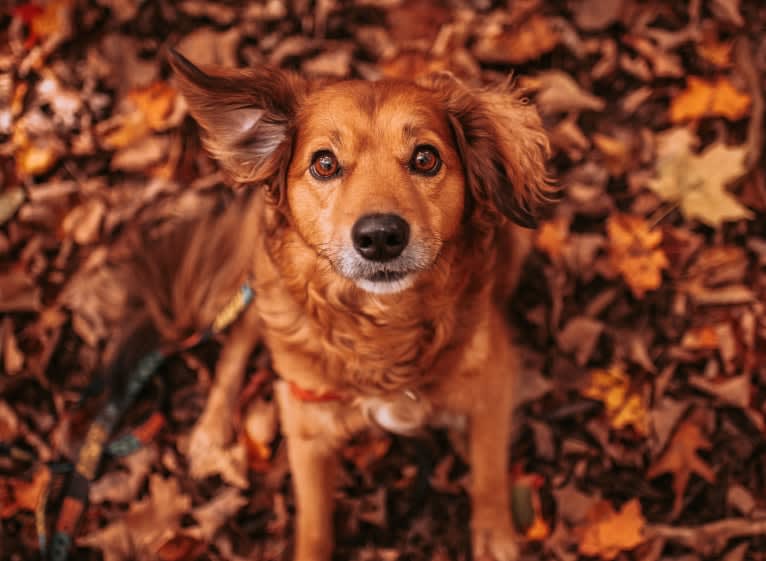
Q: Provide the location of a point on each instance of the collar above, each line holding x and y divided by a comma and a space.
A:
310, 396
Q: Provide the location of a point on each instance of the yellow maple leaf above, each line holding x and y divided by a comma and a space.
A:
606, 533
705, 99
623, 407
697, 182
634, 252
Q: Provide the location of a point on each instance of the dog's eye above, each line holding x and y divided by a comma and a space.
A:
425, 160
324, 165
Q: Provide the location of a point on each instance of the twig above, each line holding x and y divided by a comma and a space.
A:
746, 65
709, 539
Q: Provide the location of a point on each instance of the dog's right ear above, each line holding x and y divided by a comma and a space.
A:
247, 116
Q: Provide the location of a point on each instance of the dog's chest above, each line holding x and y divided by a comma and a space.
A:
407, 412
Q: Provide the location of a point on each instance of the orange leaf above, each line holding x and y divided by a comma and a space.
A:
703, 99
680, 459
149, 110
634, 252
606, 533
24, 495
551, 237
616, 152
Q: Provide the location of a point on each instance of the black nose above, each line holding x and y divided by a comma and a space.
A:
380, 237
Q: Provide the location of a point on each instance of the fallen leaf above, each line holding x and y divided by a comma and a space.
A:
616, 152
698, 182
579, 336
13, 358
10, 201
557, 92
147, 526
594, 15
608, 533
147, 109
123, 486
21, 494
681, 460
727, 11
214, 514
551, 237
367, 451
45, 21
259, 427
712, 49
623, 407
709, 99
635, 253
526, 41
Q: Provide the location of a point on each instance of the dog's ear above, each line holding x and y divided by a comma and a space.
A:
503, 146
247, 116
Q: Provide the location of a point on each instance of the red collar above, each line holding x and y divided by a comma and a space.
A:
310, 396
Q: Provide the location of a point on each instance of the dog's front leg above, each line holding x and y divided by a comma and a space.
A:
312, 453
493, 534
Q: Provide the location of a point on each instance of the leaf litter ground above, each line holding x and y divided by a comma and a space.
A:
640, 433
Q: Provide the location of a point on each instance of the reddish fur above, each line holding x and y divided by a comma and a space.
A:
444, 337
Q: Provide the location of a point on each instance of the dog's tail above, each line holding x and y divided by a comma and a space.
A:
180, 275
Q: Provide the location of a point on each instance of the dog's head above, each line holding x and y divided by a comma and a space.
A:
375, 176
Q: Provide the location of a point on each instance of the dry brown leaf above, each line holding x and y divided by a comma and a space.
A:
727, 11
413, 64
697, 183
579, 336
10, 201
709, 99
557, 92
147, 526
593, 15
524, 42
607, 533
367, 451
634, 251
623, 407
12, 357
681, 460
20, 494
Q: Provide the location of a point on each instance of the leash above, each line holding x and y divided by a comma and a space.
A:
96, 444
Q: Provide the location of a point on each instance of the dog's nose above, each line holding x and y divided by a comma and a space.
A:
380, 237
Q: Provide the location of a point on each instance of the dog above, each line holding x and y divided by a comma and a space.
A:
383, 228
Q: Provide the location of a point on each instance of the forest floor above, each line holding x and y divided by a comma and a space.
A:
642, 425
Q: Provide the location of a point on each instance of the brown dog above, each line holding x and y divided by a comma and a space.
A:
381, 247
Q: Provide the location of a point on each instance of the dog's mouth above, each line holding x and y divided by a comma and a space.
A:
387, 276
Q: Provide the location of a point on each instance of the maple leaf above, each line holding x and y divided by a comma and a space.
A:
681, 460
623, 407
702, 98
697, 182
634, 252
606, 533
146, 527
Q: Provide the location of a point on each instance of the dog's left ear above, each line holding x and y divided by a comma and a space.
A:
503, 146
247, 116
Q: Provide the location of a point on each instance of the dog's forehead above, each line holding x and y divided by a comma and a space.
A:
361, 104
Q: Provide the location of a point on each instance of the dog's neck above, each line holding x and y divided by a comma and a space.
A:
369, 342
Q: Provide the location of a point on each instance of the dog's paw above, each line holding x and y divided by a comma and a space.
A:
495, 544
